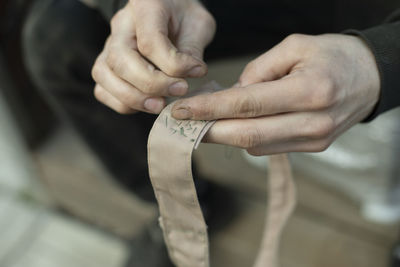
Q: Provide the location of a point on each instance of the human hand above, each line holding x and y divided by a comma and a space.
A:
299, 96
153, 45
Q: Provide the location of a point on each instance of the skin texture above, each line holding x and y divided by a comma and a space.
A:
298, 96
153, 45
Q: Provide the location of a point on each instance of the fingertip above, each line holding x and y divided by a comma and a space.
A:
195, 67
178, 88
181, 111
182, 114
197, 71
154, 105
179, 64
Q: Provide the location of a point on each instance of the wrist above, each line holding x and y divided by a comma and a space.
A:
384, 42
369, 71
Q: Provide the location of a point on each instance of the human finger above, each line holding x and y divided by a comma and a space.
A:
292, 146
153, 25
271, 130
112, 102
295, 93
129, 65
125, 92
126, 62
197, 31
276, 62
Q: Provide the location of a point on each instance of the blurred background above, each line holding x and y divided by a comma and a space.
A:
59, 206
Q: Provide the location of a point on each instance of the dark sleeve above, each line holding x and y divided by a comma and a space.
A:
384, 41
109, 7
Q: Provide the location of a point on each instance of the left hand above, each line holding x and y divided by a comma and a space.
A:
153, 46
299, 96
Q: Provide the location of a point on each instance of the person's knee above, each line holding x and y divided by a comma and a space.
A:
38, 43
60, 41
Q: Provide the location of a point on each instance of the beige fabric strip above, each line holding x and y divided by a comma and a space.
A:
170, 147
281, 203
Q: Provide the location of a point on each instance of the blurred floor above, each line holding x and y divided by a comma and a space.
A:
326, 229
32, 232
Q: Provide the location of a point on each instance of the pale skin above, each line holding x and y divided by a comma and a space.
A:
153, 46
298, 96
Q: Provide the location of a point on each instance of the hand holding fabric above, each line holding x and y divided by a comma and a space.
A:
299, 96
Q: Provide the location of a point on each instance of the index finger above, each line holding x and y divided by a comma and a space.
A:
153, 24
294, 93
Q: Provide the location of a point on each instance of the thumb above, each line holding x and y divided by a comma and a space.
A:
197, 31
273, 64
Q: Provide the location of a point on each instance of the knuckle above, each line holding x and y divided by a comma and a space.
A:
202, 108
295, 38
97, 72
247, 106
150, 87
203, 16
250, 71
173, 69
246, 75
324, 93
145, 45
299, 42
321, 128
115, 62
251, 66
115, 20
250, 138
211, 22
320, 146
208, 19
127, 98
112, 59
123, 109
98, 94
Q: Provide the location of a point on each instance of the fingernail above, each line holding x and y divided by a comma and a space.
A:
153, 105
182, 114
196, 71
178, 89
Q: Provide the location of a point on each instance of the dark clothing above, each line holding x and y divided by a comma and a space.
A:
254, 19
62, 39
384, 41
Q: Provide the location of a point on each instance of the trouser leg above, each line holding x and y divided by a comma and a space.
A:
62, 39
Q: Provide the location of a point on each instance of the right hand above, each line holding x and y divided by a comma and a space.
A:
153, 45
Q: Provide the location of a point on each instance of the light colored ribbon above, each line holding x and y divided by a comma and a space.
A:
170, 147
